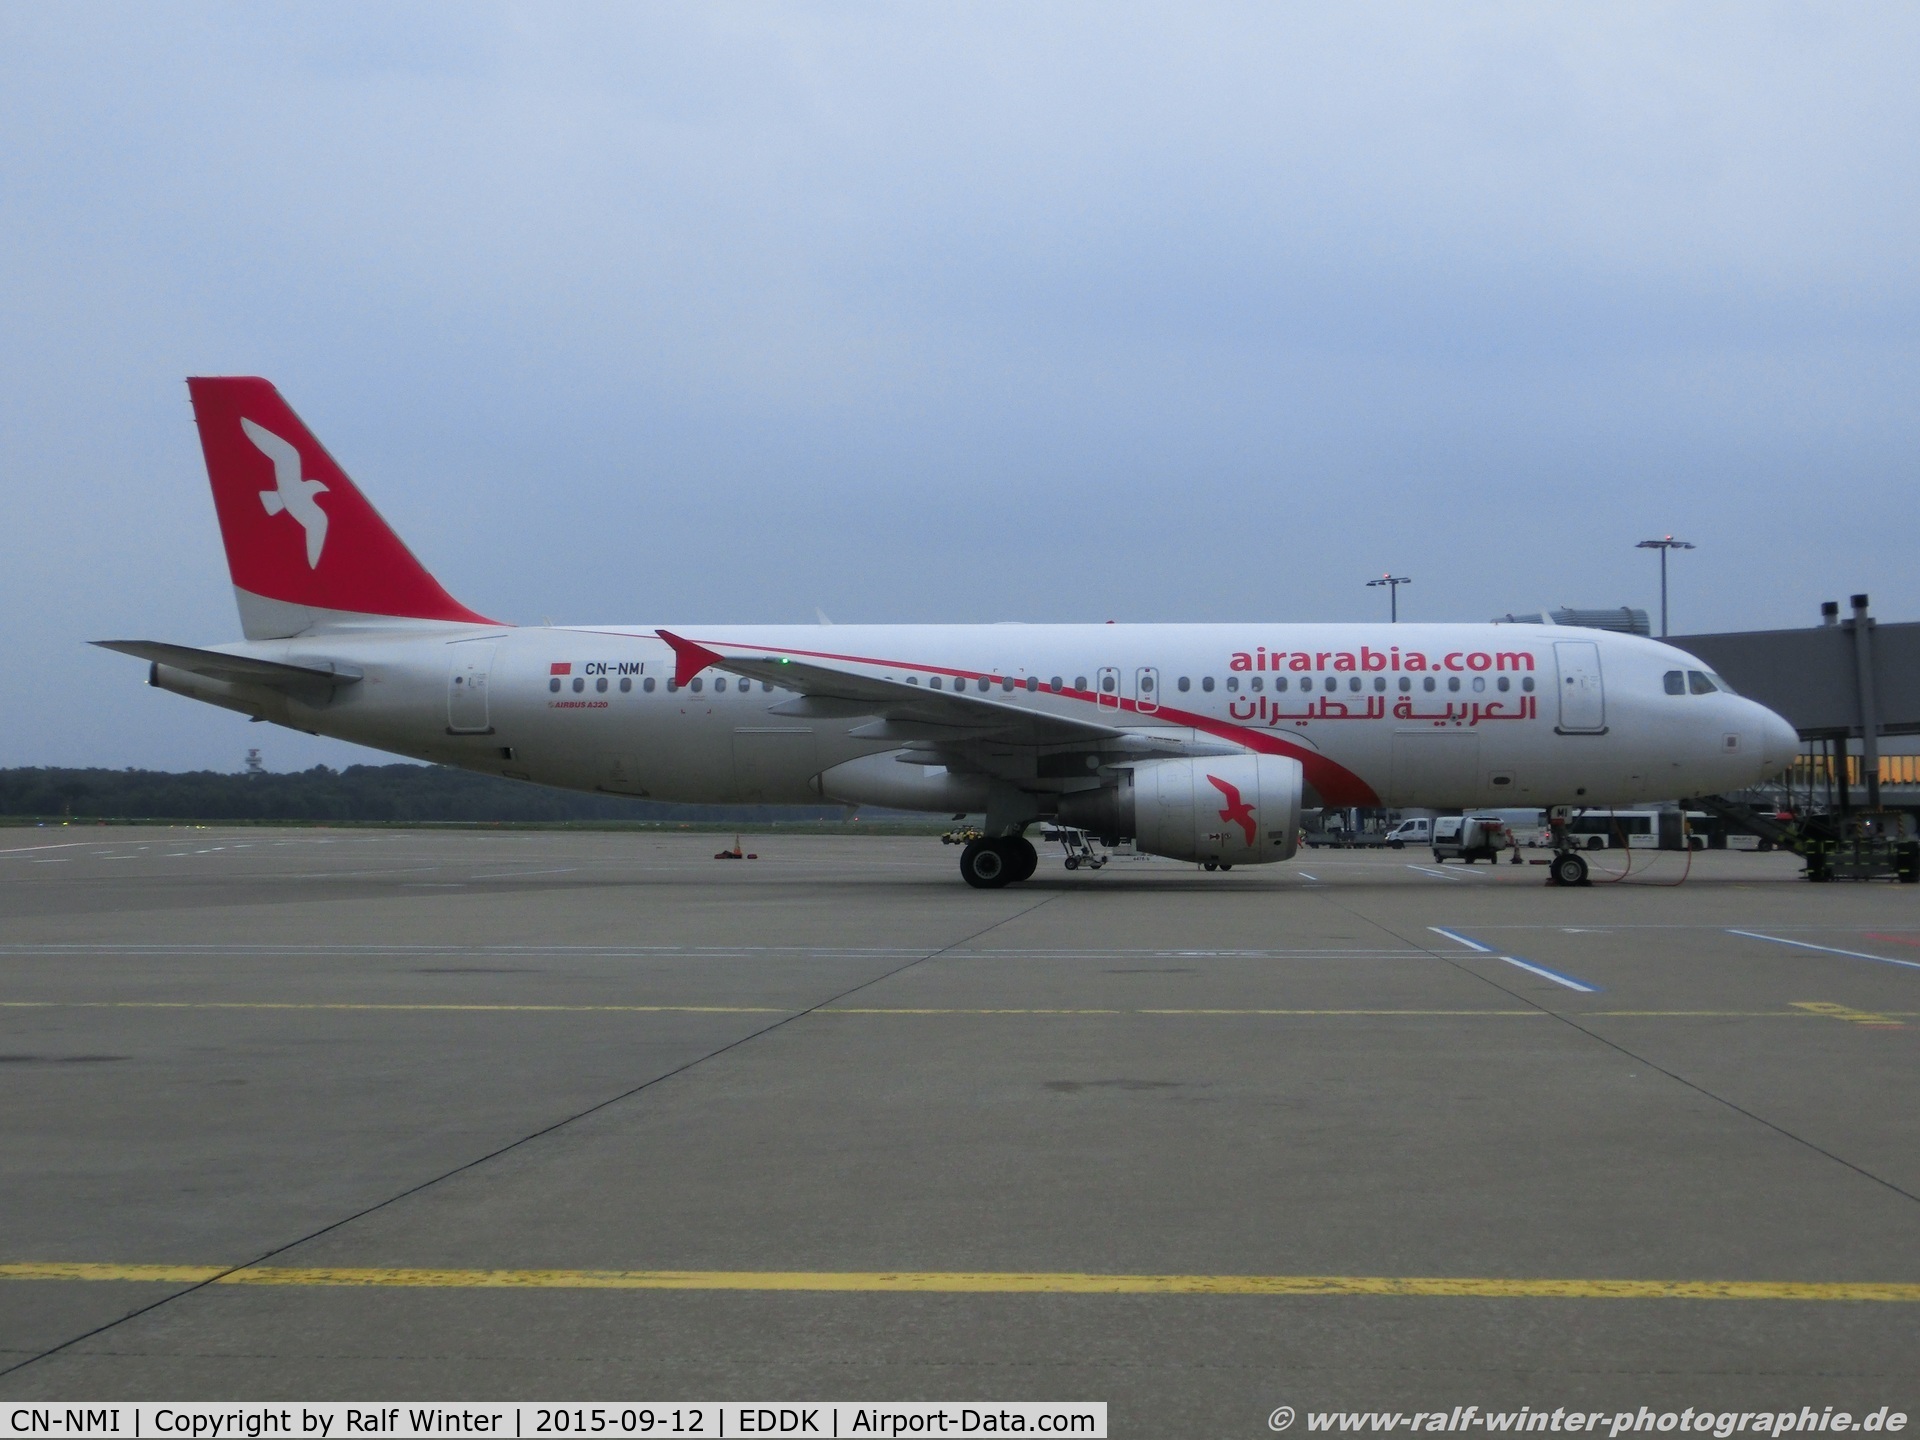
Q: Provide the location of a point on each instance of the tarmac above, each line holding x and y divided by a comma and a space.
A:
414, 1114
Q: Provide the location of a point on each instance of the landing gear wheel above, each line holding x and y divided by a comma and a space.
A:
1022, 857
1209, 864
985, 866
1568, 868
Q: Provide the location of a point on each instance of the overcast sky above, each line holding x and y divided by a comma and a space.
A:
956, 313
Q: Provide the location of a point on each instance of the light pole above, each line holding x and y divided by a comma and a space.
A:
1663, 545
1393, 584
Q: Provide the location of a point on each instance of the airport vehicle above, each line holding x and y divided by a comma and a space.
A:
1080, 853
1199, 742
1630, 829
1470, 838
1417, 831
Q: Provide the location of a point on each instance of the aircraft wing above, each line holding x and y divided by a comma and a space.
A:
914, 716
234, 669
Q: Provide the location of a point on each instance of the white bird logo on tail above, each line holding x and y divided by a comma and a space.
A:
294, 495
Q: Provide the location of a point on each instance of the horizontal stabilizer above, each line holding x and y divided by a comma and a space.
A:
234, 669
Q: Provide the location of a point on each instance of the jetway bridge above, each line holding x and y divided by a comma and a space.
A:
1846, 683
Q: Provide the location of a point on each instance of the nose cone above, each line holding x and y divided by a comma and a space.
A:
1779, 743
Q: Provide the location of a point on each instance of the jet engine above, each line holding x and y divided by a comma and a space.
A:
1231, 809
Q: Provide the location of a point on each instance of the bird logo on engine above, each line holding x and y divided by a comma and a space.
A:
1238, 812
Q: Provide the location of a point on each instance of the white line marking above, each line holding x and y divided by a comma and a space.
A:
1441, 874
63, 845
1304, 876
1828, 949
1556, 977
1542, 971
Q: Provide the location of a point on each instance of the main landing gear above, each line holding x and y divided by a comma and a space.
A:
989, 864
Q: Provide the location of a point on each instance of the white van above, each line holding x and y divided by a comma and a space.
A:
1418, 831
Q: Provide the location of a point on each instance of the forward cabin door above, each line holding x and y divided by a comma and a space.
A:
1583, 702
471, 660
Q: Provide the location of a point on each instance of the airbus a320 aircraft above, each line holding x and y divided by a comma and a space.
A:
1199, 742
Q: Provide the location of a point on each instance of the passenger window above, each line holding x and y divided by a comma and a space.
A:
1698, 683
1526, 684
1146, 684
601, 685
1056, 684
1427, 684
1233, 684
696, 684
1033, 683
1306, 682
672, 686
983, 684
1453, 682
1185, 684
1503, 683
1353, 682
1006, 684
1079, 682
1379, 682
913, 679
1107, 683
1479, 684
934, 683
626, 684
1279, 682
554, 684
1258, 684
1206, 683
578, 684
1406, 683
647, 684
1675, 682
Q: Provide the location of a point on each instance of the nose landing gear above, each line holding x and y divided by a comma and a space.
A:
1568, 868
989, 864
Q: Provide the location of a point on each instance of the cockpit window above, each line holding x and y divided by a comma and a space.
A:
1676, 682
1721, 683
1699, 684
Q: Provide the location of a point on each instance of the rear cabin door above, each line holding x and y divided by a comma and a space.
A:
471, 660
1583, 702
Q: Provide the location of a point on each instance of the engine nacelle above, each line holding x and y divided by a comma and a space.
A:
1234, 809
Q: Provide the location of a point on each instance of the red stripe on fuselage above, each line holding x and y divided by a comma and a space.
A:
1336, 784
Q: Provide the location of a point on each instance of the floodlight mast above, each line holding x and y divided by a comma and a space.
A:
1393, 584
1663, 545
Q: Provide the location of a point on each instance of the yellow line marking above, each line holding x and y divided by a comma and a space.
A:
1847, 1012
331, 1005
978, 1282
1803, 1010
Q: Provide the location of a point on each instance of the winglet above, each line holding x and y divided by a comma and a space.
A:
689, 657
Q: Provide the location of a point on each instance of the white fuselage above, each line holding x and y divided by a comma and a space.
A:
1440, 716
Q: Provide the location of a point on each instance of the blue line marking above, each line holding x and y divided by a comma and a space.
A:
1583, 986
1828, 949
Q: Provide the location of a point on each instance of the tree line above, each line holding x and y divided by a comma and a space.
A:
368, 793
